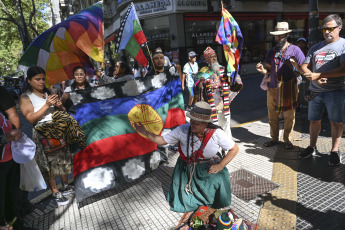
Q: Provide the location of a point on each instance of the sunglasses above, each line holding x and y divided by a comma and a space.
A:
330, 29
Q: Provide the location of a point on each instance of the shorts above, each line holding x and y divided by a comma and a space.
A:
333, 101
191, 92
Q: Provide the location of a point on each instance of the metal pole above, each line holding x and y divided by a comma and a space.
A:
313, 22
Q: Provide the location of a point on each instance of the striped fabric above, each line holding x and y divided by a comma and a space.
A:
287, 95
224, 91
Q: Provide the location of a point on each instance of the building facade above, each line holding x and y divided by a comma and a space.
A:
179, 26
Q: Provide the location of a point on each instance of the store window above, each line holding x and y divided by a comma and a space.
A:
299, 29
257, 39
201, 33
157, 32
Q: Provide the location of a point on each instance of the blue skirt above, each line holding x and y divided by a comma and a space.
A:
212, 190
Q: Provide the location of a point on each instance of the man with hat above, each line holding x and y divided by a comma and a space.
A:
190, 71
324, 66
282, 90
303, 45
212, 87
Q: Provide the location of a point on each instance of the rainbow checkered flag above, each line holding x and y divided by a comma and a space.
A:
68, 44
230, 36
131, 36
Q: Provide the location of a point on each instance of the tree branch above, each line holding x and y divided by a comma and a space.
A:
10, 20
4, 9
32, 14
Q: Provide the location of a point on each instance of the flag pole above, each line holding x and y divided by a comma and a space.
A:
148, 50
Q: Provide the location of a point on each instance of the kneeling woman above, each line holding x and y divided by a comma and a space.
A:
200, 177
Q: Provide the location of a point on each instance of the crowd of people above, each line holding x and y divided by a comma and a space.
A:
200, 177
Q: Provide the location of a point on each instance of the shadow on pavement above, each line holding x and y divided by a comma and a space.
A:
330, 219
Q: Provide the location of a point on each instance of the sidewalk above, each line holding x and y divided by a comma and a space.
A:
311, 193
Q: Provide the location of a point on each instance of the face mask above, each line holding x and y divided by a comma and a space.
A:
281, 44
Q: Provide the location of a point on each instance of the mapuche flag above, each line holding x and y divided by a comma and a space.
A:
115, 153
131, 36
230, 36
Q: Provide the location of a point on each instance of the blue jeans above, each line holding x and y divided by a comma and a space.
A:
333, 101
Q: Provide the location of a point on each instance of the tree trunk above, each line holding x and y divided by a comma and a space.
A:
55, 11
26, 39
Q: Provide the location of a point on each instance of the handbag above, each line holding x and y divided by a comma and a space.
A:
31, 178
264, 84
23, 150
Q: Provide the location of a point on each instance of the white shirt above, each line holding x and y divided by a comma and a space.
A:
218, 140
38, 103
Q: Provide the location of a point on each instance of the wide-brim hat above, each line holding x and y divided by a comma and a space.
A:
201, 111
281, 28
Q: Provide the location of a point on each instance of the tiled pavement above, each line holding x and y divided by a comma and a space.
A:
141, 205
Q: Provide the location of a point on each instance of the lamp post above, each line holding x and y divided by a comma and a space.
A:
313, 22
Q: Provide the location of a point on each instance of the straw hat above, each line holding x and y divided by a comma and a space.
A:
201, 111
281, 28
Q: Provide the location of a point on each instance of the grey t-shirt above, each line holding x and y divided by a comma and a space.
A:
323, 57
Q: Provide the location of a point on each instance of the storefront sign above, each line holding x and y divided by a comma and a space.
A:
154, 37
191, 5
204, 37
153, 7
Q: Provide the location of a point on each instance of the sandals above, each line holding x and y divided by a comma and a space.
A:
288, 145
270, 143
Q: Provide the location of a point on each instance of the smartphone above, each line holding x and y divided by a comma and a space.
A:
54, 91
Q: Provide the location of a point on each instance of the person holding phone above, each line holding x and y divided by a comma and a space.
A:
38, 105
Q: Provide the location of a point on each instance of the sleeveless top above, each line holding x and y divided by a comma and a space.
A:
38, 103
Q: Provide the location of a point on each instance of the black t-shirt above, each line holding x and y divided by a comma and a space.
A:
6, 101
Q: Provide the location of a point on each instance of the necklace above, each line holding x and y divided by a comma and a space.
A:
42, 95
279, 56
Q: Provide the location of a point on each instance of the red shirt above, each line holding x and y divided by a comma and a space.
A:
6, 152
